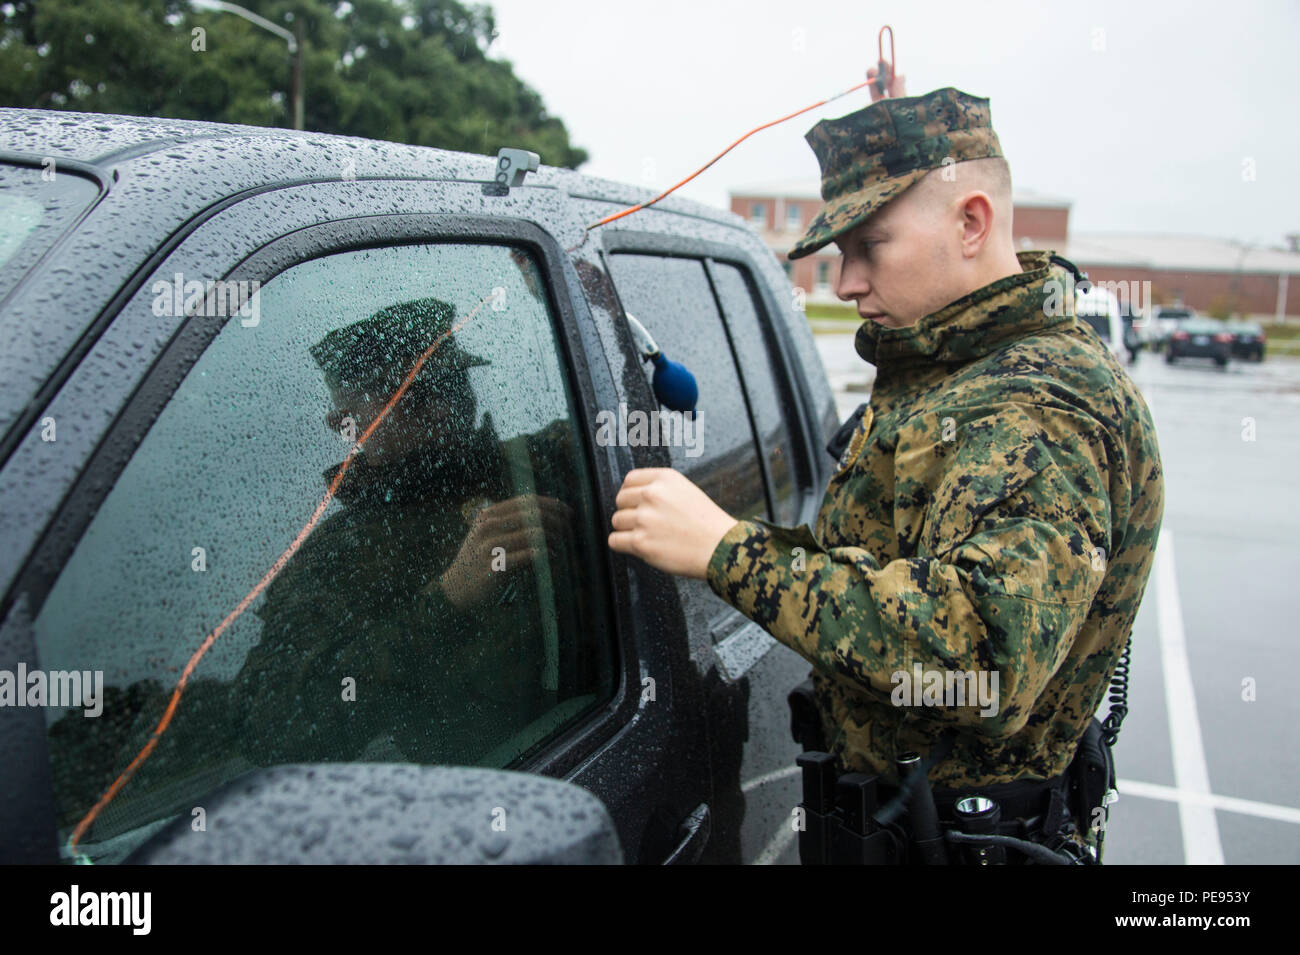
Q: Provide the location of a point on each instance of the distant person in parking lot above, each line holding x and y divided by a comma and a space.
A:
996, 504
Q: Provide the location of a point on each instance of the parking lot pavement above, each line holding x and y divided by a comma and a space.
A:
1213, 709
850, 376
1207, 767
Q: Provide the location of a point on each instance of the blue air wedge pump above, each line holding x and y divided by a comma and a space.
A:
674, 385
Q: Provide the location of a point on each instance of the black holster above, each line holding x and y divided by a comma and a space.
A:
1092, 777
805, 719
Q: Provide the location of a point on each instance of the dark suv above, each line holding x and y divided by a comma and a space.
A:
1200, 338
208, 477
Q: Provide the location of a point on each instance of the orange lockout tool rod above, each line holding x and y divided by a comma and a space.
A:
667, 192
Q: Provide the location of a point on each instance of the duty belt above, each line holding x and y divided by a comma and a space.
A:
1022, 799
857, 819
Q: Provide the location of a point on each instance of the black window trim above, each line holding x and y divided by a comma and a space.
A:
802, 475
580, 353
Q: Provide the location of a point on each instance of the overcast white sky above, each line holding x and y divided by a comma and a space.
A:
1148, 133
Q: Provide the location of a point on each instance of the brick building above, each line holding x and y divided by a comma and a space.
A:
1216, 276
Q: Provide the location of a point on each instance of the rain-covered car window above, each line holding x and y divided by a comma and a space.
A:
672, 298
444, 607
36, 205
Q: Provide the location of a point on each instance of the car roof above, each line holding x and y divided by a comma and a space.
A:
1096, 291
157, 175
1096, 300
242, 156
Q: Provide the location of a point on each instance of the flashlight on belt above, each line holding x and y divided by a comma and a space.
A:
979, 816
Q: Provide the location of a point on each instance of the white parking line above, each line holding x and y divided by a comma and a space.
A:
780, 842
1201, 845
1246, 807
777, 845
751, 784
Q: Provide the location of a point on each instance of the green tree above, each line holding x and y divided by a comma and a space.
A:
411, 71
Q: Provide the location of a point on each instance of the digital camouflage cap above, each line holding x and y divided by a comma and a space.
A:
378, 352
873, 155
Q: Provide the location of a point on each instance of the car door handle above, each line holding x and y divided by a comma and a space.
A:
695, 833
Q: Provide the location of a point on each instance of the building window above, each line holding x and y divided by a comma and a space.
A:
758, 214
793, 220
823, 276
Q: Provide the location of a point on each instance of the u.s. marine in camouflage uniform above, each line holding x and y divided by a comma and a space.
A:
997, 507
996, 510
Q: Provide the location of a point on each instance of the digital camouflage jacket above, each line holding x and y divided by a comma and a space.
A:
995, 512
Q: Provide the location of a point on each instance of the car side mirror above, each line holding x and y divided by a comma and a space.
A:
380, 813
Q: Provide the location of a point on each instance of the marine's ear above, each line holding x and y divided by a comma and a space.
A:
978, 220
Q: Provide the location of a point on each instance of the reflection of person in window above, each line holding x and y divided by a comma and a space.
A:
418, 587
398, 589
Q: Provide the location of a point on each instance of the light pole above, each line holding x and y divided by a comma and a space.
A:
294, 42
1238, 295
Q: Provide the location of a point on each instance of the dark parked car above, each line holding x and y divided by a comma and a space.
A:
1167, 319
207, 471
1200, 338
1247, 340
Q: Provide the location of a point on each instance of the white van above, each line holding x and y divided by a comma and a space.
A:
1100, 309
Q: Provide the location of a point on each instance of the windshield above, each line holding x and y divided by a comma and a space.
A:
36, 206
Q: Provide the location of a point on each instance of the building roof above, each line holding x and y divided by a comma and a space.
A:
1178, 253
1032, 198
811, 189
781, 189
